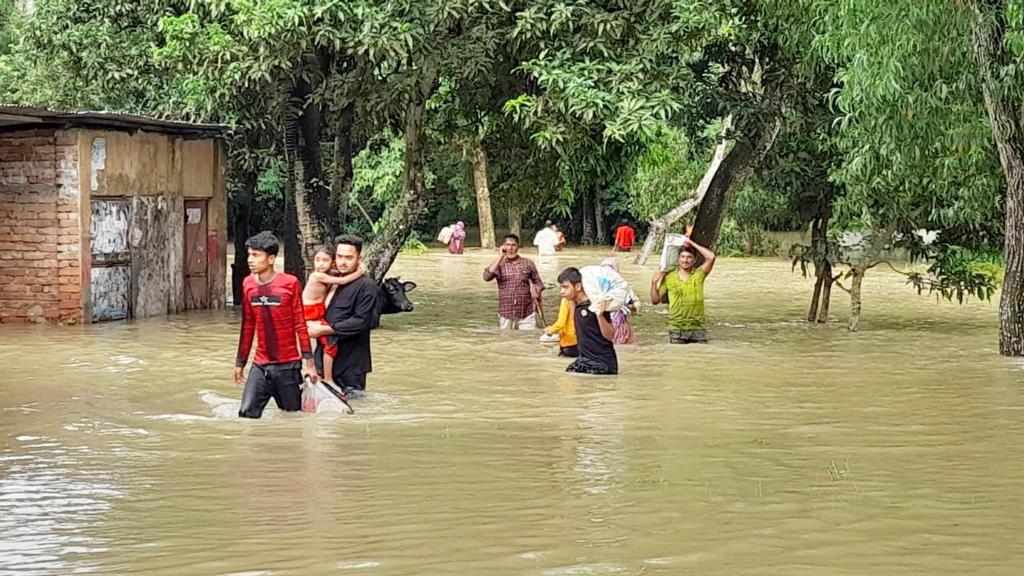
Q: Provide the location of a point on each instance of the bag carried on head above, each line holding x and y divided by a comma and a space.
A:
602, 284
670, 253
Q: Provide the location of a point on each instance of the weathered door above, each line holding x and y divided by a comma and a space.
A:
111, 259
197, 288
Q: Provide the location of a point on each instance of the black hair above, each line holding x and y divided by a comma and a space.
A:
625, 221
323, 248
570, 275
350, 240
688, 250
512, 237
265, 242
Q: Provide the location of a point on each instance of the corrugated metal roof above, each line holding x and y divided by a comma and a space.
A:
23, 116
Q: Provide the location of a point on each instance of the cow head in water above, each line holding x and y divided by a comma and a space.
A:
395, 296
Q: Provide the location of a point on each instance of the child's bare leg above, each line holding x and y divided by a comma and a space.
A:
328, 368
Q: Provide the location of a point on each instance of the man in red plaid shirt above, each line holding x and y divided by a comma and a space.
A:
519, 287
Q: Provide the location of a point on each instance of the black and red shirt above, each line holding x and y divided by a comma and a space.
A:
272, 312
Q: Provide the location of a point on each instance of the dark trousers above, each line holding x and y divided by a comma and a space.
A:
278, 381
569, 351
352, 382
587, 366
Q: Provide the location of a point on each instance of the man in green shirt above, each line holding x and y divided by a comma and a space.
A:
683, 288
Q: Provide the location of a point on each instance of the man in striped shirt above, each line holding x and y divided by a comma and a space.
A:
519, 286
272, 315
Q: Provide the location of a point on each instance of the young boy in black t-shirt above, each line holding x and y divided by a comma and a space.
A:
594, 331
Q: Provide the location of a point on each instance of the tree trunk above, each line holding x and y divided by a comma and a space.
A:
818, 311
735, 169
483, 195
305, 164
242, 230
602, 234
1004, 113
388, 242
292, 241
309, 229
855, 297
588, 217
826, 296
515, 222
812, 312
341, 184
659, 226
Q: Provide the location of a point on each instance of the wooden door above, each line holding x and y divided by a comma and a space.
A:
111, 259
197, 287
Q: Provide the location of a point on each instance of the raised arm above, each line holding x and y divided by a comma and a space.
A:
493, 270
656, 281
604, 322
709, 257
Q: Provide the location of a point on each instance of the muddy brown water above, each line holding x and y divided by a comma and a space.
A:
779, 448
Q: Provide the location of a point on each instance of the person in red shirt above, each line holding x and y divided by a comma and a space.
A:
625, 236
272, 313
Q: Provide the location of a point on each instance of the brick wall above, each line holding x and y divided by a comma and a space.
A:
40, 277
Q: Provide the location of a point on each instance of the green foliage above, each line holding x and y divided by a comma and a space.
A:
747, 241
764, 208
956, 271
414, 245
661, 173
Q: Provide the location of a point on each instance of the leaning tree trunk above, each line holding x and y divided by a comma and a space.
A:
659, 226
1004, 113
386, 245
483, 195
588, 217
242, 229
341, 183
515, 222
602, 233
735, 169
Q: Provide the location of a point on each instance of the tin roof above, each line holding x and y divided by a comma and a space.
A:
26, 117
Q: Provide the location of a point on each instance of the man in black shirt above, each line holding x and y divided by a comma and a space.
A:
594, 331
351, 313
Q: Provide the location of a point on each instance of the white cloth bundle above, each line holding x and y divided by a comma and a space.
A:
670, 253
602, 284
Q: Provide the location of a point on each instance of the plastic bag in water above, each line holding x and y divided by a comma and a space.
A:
670, 253
602, 284
316, 399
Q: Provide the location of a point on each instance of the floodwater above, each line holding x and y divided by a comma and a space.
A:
779, 448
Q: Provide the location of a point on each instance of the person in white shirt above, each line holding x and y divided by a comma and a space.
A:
546, 239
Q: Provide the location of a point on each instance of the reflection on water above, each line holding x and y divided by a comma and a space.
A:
779, 448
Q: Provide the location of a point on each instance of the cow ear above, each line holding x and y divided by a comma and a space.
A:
409, 286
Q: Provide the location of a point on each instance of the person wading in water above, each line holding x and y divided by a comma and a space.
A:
352, 311
519, 287
594, 330
684, 290
272, 313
